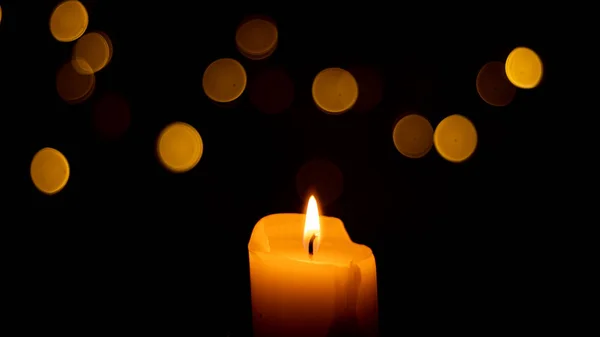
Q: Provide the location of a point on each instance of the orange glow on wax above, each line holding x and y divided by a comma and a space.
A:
312, 225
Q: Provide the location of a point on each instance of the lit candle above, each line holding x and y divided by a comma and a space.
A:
309, 279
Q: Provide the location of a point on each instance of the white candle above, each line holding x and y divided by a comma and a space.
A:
332, 292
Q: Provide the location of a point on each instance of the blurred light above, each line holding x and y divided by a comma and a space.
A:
180, 147
455, 138
256, 38
68, 21
413, 136
493, 86
334, 90
321, 178
49, 171
524, 68
370, 85
91, 53
272, 91
111, 116
224, 80
72, 86
110, 45
0, 14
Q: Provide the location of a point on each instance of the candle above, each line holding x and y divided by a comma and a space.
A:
309, 279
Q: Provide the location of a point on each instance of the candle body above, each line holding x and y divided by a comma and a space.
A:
334, 293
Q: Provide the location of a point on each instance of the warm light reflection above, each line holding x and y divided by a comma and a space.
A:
312, 225
224, 80
180, 147
257, 38
91, 53
72, 86
413, 136
455, 138
493, 86
68, 21
0, 14
524, 68
335, 90
49, 171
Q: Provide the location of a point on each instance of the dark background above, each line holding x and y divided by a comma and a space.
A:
128, 246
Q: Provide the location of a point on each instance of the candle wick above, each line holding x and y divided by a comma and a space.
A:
311, 245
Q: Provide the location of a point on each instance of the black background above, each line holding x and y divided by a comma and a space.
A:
127, 246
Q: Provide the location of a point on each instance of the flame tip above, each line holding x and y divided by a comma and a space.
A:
312, 227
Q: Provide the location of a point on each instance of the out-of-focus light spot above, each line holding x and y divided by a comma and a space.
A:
321, 178
455, 138
524, 68
0, 14
49, 171
91, 53
272, 91
68, 21
110, 45
180, 147
334, 91
370, 85
493, 86
224, 80
111, 116
256, 38
413, 136
72, 86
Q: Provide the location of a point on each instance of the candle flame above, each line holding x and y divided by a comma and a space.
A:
312, 225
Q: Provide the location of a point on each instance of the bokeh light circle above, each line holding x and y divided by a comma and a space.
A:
370, 87
224, 80
110, 44
68, 21
493, 86
322, 178
524, 68
455, 138
72, 86
179, 147
257, 38
413, 136
335, 90
49, 171
91, 53
111, 116
271, 91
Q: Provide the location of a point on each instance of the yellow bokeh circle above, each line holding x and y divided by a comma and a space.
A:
49, 171
455, 138
524, 68
224, 80
335, 90
493, 86
179, 147
68, 21
256, 38
413, 136
91, 53
72, 86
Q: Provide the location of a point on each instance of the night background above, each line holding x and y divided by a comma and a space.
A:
128, 246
